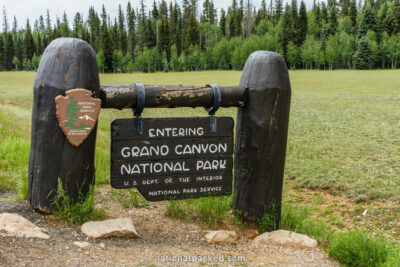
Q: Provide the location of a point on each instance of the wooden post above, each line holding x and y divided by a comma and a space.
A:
261, 136
67, 63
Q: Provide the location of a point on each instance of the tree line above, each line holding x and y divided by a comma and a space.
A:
173, 37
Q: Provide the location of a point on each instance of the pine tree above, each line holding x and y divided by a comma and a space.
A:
344, 7
353, 13
285, 30
106, 44
39, 44
2, 55
163, 42
222, 23
42, 28
8, 48
121, 31
388, 22
234, 20
363, 57
29, 45
324, 13
131, 30
150, 33
317, 14
64, 27
396, 14
368, 22
77, 27
179, 32
248, 20
173, 23
192, 34
239, 19
206, 10
212, 13
19, 48
154, 12
294, 16
142, 27
303, 24
48, 21
333, 22
263, 10
5, 21
278, 11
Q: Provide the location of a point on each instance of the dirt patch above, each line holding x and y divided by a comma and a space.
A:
343, 213
161, 238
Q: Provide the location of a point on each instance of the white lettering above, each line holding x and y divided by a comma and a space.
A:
124, 154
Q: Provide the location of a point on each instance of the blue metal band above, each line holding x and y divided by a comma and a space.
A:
141, 99
217, 100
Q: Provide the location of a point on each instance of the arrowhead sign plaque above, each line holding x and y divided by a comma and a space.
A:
77, 114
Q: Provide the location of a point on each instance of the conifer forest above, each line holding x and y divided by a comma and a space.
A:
194, 35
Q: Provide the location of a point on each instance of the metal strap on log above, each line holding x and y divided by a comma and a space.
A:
170, 96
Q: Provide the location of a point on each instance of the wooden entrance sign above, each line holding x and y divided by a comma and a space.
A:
173, 158
263, 101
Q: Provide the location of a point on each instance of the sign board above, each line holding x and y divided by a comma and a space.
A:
77, 114
173, 158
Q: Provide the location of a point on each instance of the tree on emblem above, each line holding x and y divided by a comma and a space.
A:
71, 113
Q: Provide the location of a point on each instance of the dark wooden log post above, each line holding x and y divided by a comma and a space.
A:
67, 63
261, 136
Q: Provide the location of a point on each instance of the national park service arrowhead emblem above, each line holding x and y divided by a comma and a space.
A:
77, 114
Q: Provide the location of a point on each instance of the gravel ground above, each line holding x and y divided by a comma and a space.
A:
160, 239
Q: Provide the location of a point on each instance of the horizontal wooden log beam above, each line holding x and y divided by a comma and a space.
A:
170, 96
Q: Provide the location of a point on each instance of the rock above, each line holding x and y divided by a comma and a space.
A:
121, 227
221, 236
284, 237
81, 244
18, 226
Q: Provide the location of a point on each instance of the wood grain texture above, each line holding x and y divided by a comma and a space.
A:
261, 136
170, 96
67, 63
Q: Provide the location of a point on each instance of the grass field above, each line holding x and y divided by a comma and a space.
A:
343, 148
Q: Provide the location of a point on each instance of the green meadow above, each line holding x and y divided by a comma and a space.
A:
343, 154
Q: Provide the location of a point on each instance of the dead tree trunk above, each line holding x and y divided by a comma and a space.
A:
261, 136
67, 63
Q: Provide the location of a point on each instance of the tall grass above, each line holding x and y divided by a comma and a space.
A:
129, 198
79, 211
210, 211
356, 248
14, 157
